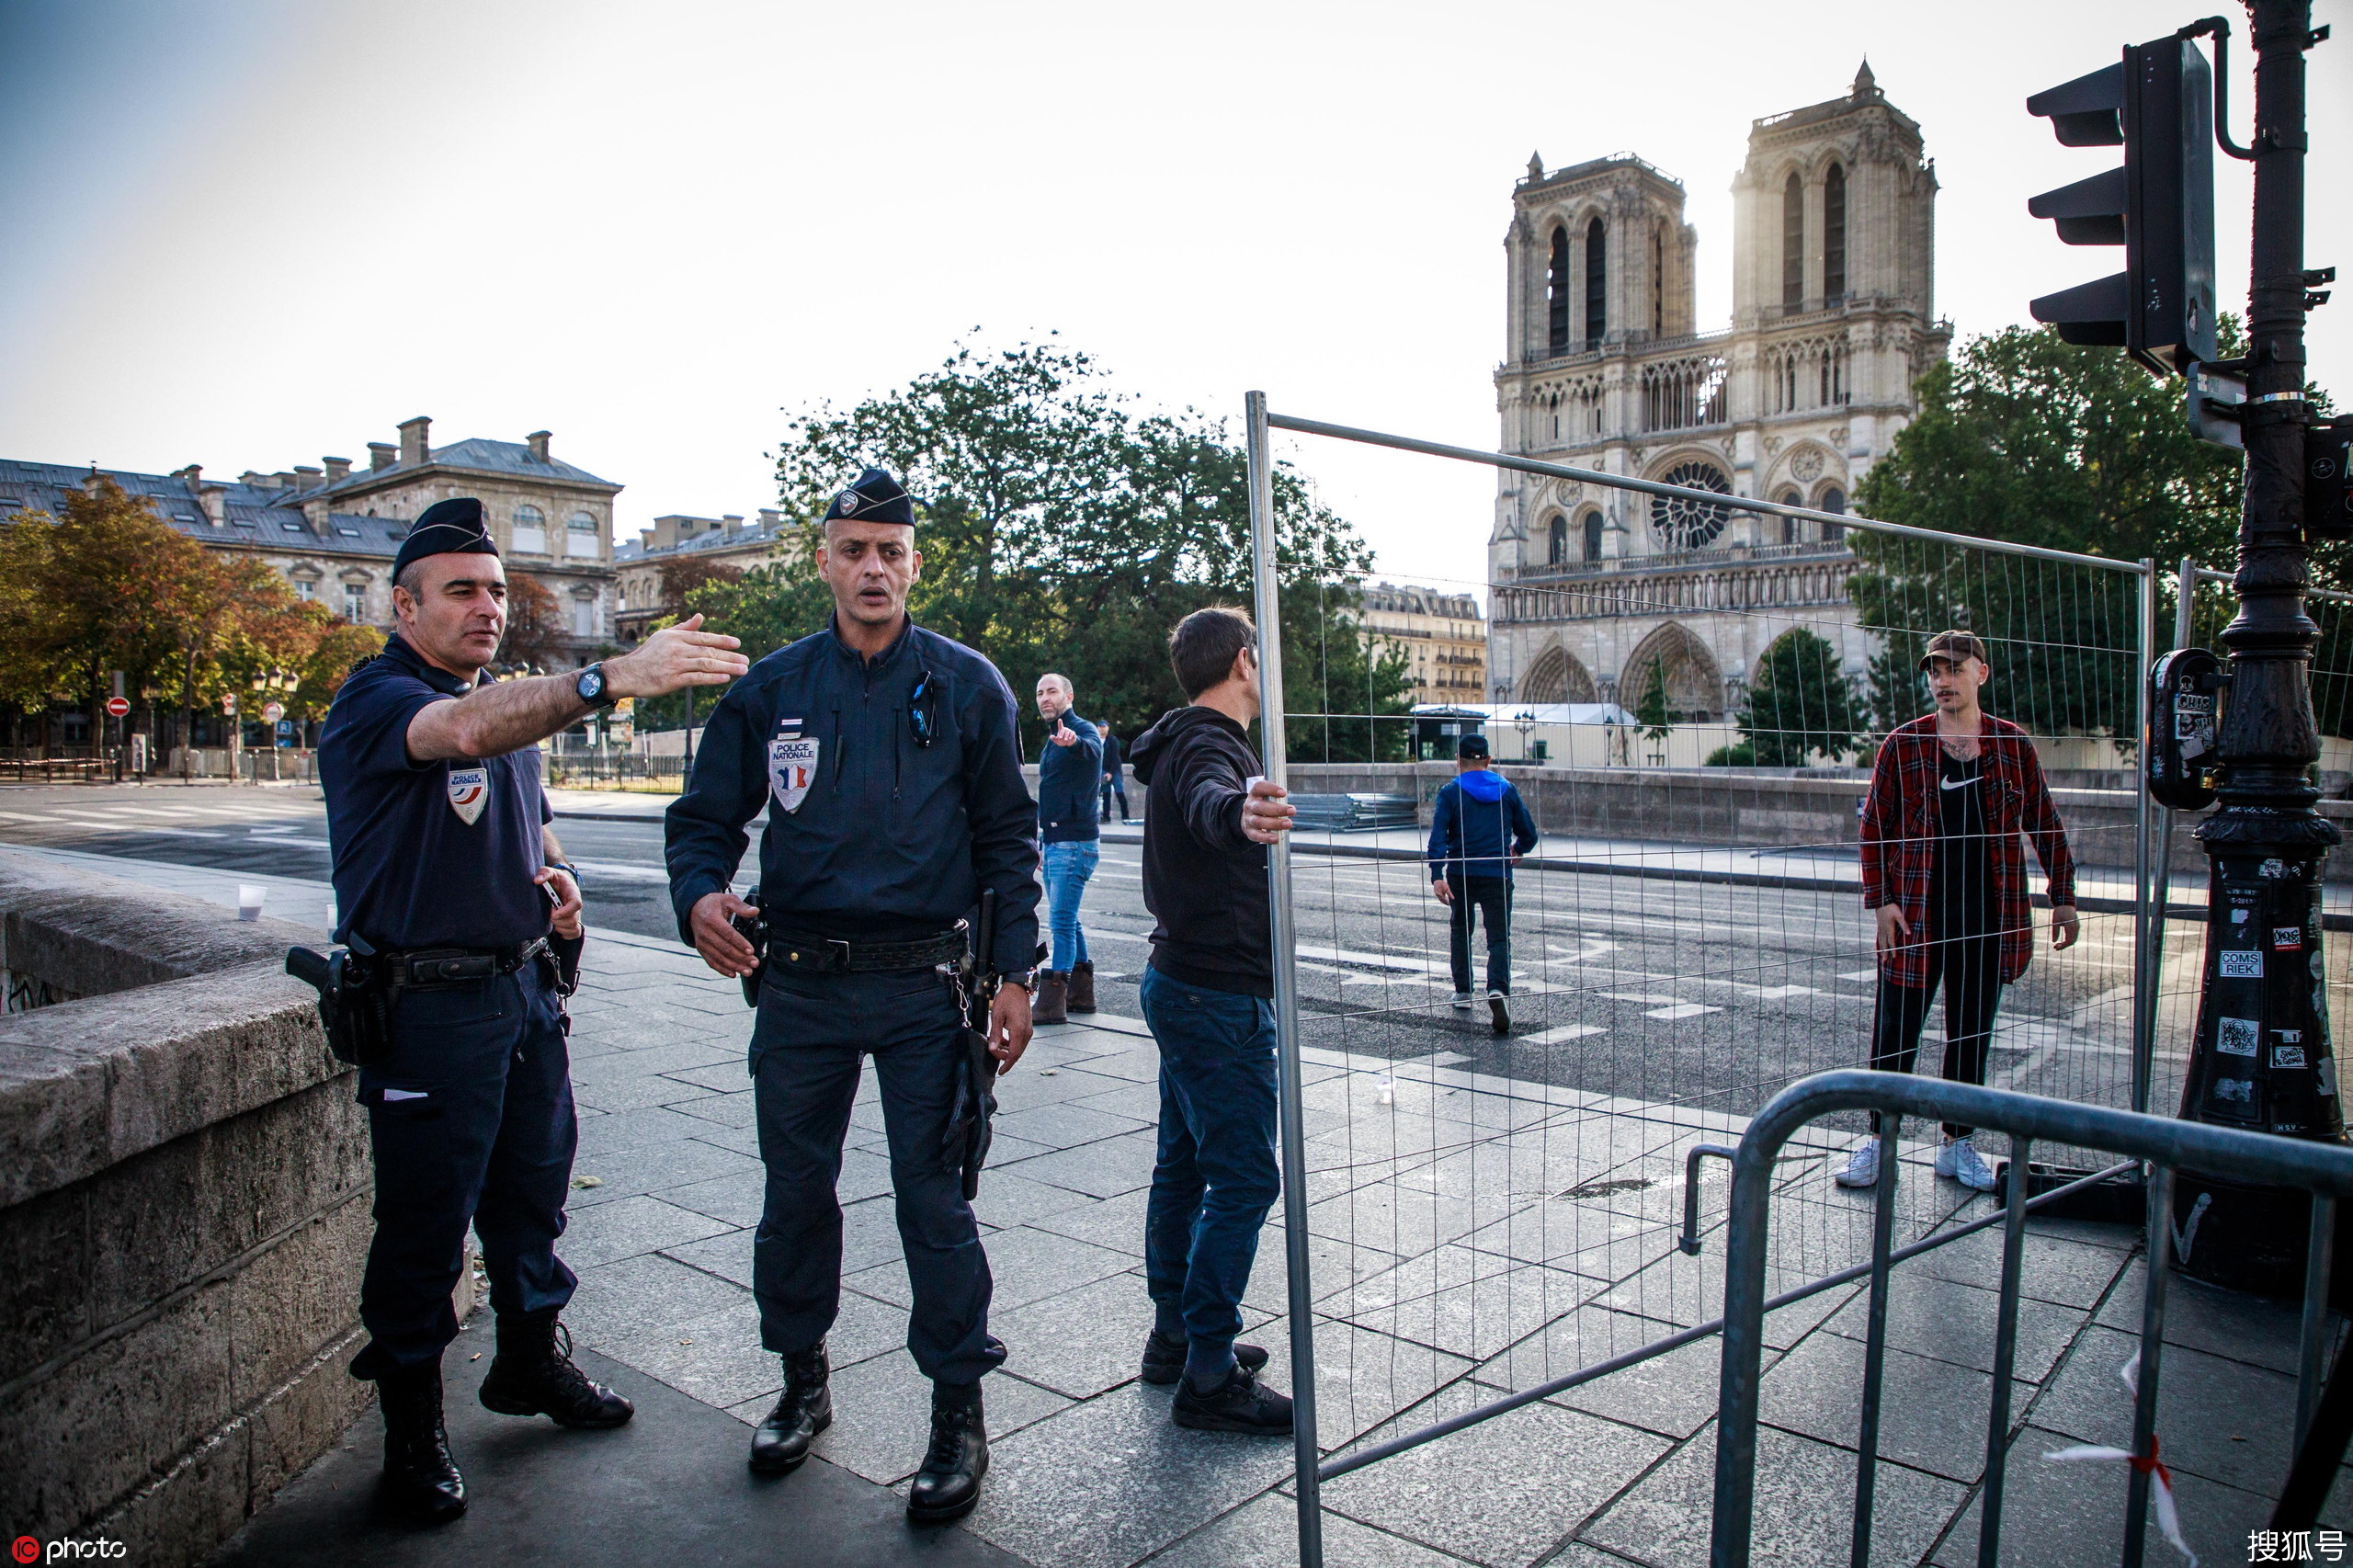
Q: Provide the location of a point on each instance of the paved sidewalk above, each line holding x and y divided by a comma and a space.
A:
1473, 1235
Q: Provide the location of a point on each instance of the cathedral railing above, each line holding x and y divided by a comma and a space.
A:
1671, 560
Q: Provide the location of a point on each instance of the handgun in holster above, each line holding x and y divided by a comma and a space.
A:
356, 994
754, 928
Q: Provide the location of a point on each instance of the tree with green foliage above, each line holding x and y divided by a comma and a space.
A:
1063, 530
1799, 703
1652, 715
2025, 439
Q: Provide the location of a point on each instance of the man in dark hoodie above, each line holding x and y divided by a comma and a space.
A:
1208, 998
1478, 828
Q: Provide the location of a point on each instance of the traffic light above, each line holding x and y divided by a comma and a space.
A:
2157, 103
2328, 479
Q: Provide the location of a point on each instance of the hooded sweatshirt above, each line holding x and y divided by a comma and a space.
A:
1204, 882
1475, 818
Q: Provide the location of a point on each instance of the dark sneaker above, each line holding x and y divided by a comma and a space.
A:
533, 1375
949, 1481
1499, 1011
1241, 1404
804, 1410
1164, 1360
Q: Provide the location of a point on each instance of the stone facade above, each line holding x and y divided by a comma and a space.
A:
333, 530
640, 597
1595, 592
1440, 634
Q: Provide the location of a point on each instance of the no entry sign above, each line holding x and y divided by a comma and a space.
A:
118, 706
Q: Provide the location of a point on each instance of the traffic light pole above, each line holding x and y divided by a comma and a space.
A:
2262, 1058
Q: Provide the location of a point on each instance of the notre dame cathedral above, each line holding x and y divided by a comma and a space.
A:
1595, 592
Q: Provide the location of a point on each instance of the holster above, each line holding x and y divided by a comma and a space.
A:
356, 996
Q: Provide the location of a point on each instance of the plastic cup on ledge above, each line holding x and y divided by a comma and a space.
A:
249, 901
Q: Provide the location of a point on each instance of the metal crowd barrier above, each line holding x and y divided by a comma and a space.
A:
2164, 1145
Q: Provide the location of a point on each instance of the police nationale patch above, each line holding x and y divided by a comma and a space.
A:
792, 764
468, 791
850, 501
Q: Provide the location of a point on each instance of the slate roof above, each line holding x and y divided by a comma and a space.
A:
511, 458
636, 551
261, 517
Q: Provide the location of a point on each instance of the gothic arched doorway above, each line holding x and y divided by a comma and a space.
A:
1695, 682
1557, 676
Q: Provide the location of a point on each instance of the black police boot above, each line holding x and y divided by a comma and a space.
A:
420, 1478
1082, 986
805, 1409
533, 1376
949, 1481
1241, 1404
1164, 1359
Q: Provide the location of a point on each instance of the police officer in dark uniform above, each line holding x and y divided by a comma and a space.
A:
891, 767
445, 866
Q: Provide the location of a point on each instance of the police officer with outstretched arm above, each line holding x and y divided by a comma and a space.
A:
446, 878
888, 759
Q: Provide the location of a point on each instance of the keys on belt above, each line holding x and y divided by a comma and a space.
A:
463, 966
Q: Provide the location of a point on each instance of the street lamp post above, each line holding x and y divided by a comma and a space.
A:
2261, 1057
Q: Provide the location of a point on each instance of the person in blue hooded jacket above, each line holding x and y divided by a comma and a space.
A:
1478, 828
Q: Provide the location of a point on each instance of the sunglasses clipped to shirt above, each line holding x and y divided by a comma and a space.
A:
923, 708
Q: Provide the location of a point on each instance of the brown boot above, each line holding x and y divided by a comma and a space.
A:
1052, 1004
1082, 986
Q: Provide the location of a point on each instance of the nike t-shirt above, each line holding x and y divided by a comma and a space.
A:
427, 854
1960, 891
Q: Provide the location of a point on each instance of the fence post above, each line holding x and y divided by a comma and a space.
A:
1305, 1453
2144, 988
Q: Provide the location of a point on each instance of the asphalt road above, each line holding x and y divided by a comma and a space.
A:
1692, 994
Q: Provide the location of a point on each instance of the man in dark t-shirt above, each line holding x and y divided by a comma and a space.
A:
1943, 874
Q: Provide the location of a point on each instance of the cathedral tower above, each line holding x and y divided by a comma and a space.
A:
1598, 591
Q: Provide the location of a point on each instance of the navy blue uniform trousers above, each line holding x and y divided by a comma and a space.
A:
470, 1120
806, 1047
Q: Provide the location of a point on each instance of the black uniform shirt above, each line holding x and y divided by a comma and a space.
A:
870, 835
427, 854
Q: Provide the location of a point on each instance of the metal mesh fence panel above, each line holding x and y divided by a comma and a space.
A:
1494, 1204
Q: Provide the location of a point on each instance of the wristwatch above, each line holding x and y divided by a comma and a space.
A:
1026, 979
591, 686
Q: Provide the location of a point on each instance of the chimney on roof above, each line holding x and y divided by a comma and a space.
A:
379, 455
645, 538
414, 446
538, 440
771, 518
250, 477
733, 522
213, 498
283, 480
338, 468
306, 478
194, 474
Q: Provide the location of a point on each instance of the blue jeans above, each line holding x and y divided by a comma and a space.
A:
1069, 864
1216, 1176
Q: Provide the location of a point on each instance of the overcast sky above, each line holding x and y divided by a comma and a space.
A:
249, 233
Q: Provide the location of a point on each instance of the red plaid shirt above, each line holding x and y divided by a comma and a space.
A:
1899, 839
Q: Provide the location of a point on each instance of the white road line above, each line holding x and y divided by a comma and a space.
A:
1566, 1032
1681, 1010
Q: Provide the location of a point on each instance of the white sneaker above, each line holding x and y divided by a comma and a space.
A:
1462, 1001
1861, 1168
1960, 1160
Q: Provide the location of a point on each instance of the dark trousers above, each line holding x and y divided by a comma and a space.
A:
470, 1119
1490, 897
806, 1049
1970, 969
1215, 1176
1117, 784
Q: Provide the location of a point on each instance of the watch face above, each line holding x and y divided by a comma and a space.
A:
592, 683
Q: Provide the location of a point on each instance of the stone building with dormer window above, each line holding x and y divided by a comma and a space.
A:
1594, 592
333, 530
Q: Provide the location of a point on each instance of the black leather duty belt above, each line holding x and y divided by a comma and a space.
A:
821, 955
462, 966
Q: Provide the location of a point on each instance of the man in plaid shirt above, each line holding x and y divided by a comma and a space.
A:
1944, 875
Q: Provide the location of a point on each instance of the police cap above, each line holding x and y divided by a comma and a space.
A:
447, 527
874, 497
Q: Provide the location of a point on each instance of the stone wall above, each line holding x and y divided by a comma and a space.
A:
184, 1214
